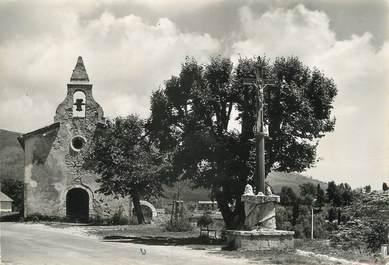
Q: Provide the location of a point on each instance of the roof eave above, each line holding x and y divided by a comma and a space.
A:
21, 139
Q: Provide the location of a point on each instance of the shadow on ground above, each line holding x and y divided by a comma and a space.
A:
214, 247
164, 241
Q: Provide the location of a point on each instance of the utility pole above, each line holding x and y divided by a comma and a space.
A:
312, 224
260, 83
312, 206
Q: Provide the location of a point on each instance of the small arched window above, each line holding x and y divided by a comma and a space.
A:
79, 104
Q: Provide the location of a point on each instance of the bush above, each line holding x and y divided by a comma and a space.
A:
303, 223
118, 218
204, 221
44, 218
321, 227
377, 235
11, 218
97, 220
284, 216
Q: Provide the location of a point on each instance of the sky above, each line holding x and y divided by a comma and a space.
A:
131, 47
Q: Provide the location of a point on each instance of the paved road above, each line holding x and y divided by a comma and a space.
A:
37, 244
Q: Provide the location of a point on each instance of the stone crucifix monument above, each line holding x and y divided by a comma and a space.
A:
260, 222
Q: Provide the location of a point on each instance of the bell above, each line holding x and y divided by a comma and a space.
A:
79, 104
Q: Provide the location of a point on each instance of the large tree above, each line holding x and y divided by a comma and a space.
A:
128, 163
192, 115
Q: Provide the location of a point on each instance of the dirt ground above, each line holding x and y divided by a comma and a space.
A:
307, 251
105, 244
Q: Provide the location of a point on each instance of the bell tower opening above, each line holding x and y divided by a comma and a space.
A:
79, 104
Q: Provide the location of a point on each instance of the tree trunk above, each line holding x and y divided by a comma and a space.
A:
295, 213
239, 213
232, 219
224, 209
138, 208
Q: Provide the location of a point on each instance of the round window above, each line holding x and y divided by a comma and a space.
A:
77, 143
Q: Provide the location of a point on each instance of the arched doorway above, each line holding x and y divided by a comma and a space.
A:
77, 205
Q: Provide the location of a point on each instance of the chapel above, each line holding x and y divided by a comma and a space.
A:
57, 182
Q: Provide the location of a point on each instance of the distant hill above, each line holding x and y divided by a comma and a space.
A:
11, 156
293, 180
276, 180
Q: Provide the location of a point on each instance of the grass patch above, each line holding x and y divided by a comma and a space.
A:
277, 257
323, 247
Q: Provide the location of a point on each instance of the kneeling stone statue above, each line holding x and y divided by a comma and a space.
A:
248, 190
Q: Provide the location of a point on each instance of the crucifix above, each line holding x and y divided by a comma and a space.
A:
260, 83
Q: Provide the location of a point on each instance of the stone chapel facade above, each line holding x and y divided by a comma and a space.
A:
56, 183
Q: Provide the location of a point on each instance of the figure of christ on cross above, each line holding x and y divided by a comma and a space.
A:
259, 83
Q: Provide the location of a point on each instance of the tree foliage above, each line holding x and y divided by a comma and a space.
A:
308, 192
339, 195
346, 193
15, 190
192, 116
320, 196
331, 191
287, 196
129, 165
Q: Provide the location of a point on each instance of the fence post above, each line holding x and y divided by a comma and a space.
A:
384, 250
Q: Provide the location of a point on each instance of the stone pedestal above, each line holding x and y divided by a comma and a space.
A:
260, 211
260, 222
260, 239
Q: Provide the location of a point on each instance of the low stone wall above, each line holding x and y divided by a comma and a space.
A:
260, 239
